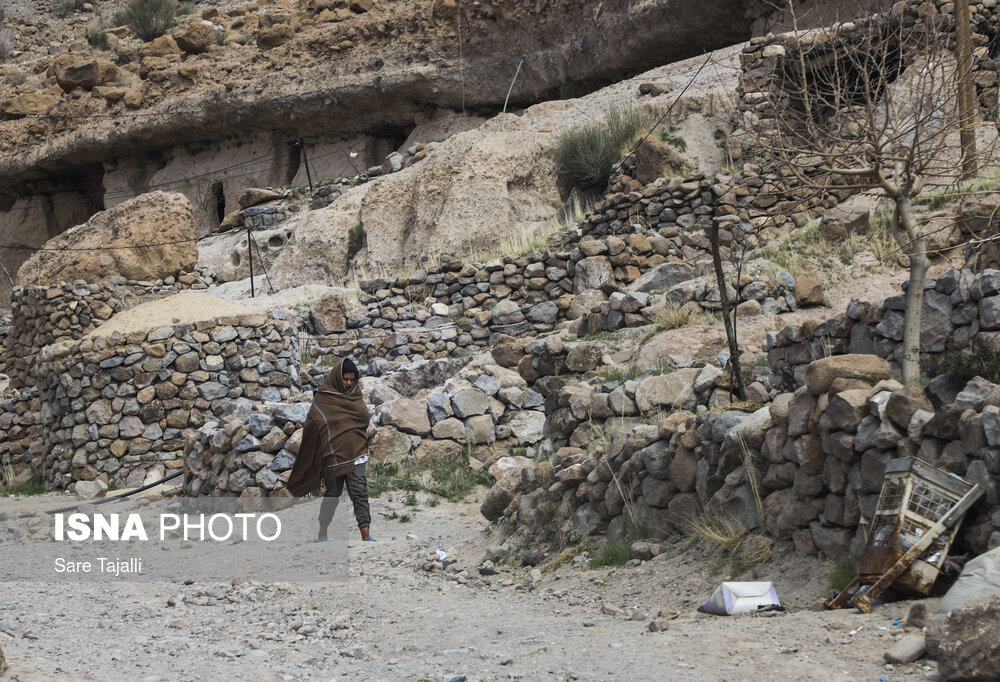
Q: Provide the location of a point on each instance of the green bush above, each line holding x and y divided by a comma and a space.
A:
612, 554
98, 38
355, 241
965, 364
33, 486
586, 153
149, 19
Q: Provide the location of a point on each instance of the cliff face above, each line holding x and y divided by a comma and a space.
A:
222, 102
371, 72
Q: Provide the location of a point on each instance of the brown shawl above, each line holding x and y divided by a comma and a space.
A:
335, 434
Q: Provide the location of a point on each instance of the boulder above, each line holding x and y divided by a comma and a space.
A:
808, 290
508, 351
584, 302
904, 403
966, 643
675, 390
275, 35
153, 218
663, 277
583, 358
330, 312
72, 71
908, 649
657, 159
196, 37
500, 495
869, 368
593, 272
88, 490
844, 220
527, 426
27, 104
253, 196
409, 416
469, 402
390, 445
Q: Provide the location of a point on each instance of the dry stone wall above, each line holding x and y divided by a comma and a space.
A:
817, 456
44, 315
117, 406
960, 312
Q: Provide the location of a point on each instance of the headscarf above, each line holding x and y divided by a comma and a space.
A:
335, 432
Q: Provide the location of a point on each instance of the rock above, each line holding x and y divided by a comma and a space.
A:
330, 312
449, 428
253, 196
72, 71
657, 159
584, 302
295, 413
275, 35
808, 290
546, 312
869, 368
844, 220
196, 37
593, 273
527, 426
409, 416
506, 312
88, 490
966, 643
908, 649
151, 218
508, 351
27, 104
663, 277
674, 390
479, 430
469, 402
390, 445
917, 618
583, 358
500, 495
904, 403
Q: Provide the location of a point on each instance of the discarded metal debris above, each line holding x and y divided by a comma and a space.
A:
918, 514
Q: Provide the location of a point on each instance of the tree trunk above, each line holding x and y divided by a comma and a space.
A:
916, 249
736, 374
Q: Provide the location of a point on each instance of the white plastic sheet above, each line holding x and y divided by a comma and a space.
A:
733, 598
980, 580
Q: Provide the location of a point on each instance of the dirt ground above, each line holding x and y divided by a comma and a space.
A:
388, 618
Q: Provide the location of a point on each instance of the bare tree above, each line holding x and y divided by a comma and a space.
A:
864, 105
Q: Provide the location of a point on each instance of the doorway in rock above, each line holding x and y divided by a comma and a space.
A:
220, 201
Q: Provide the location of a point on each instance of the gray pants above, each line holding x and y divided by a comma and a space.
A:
357, 490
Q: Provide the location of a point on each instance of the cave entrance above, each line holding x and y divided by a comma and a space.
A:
218, 191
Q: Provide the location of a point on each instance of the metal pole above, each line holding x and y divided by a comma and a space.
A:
966, 90
305, 160
253, 294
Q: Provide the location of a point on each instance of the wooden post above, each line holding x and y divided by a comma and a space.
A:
966, 89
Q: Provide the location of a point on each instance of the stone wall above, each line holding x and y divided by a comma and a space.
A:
764, 58
482, 406
817, 455
961, 311
116, 407
43, 315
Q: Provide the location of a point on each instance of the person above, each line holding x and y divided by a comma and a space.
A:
334, 449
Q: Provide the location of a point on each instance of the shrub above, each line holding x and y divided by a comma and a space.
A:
64, 7
356, 238
675, 141
149, 19
586, 153
220, 36
612, 554
186, 8
33, 486
965, 364
98, 38
456, 479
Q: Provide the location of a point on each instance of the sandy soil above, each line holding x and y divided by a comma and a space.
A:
390, 619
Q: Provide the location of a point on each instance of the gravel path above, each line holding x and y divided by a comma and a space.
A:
391, 619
